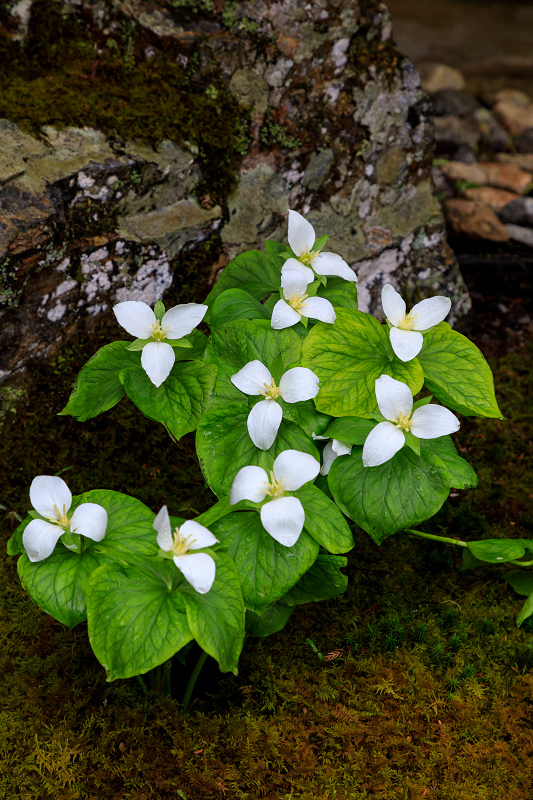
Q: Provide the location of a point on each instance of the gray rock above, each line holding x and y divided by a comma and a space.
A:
524, 142
521, 235
518, 212
454, 102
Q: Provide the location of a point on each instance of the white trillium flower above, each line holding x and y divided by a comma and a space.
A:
333, 450
282, 517
296, 304
138, 319
405, 338
395, 402
198, 569
51, 497
302, 240
265, 417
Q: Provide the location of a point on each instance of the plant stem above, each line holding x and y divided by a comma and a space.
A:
443, 539
167, 666
142, 684
192, 680
522, 563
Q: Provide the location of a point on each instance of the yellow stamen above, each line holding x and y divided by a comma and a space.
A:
272, 391
298, 301
403, 422
181, 545
274, 488
408, 321
308, 256
60, 518
158, 333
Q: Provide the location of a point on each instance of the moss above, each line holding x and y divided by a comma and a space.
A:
58, 79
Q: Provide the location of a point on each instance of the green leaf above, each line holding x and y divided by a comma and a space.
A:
278, 252
236, 304
129, 529
522, 582
323, 581
58, 584
252, 271
324, 521
495, 551
526, 611
216, 619
350, 430
462, 475
14, 543
456, 372
348, 357
305, 415
266, 569
340, 293
223, 445
159, 310
98, 387
412, 441
180, 401
270, 621
183, 342
401, 493
136, 620
138, 344
320, 243
234, 344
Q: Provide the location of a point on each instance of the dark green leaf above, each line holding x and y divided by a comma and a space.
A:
324, 521
270, 621
350, 430
495, 551
252, 271
340, 293
236, 304
522, 582
462, 475
322, 582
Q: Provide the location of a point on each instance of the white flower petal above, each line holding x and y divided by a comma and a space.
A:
283, 316
164, 530
301, 234
47, 491
251, 379
182, 319
431, 421
198, 569
293, 283
393, 397
318, 308
305, 272
430, 312
202, 537
263, 422
382, 443
406, 344
332, 264
393, 304
157, 360
328, 457
89, 519
294, 469
283, 518
298, 384
249, 484
40, 538
340, 448
135, 317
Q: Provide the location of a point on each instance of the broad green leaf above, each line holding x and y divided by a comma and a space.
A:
306, 416
340, 293
348, 357
322, 582
266, 569
350, 430
236, 304
401, 493
130, 528
58, 584
98, 387
14, 543
216, 619
495, 551
234, 344
223, 445
522, 582
456, 372
526, 611
180, 401
324, 521
252, 271
136, 620
270, 621
278, 252
462, 475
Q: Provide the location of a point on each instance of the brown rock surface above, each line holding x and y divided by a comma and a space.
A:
501, 176
495, 198
476, 220
516, 119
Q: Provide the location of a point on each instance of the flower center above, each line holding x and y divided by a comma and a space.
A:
272, 392
403, 422
158, 333
297, 301
408, 321
181, 545
60, 518
274, 488
308, 256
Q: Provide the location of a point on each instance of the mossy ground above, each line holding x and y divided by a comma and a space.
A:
424, 689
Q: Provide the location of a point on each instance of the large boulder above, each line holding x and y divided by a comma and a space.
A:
295, 105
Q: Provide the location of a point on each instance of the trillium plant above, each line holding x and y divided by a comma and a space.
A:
314, 422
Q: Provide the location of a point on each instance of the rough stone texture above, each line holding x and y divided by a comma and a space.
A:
437, 77
353, 153
519, 211
519, 234
495, 198
473, 219
501, 176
